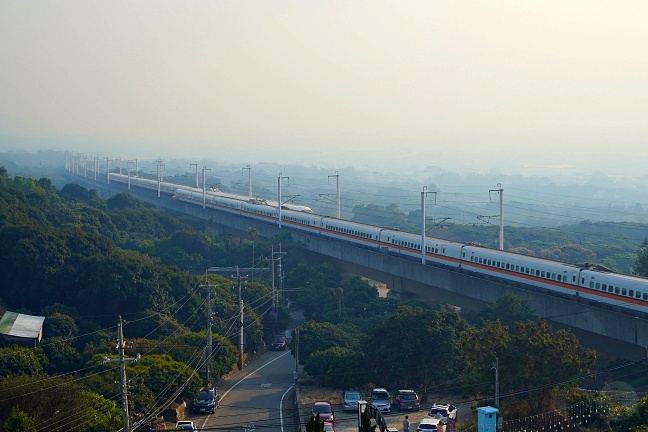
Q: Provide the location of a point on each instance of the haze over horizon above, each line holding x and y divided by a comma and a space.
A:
521, 87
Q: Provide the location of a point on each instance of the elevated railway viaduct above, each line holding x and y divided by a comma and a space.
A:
616, 331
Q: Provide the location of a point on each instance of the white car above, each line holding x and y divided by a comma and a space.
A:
429, 425
186, 425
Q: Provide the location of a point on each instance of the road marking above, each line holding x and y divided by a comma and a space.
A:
281, 406
257, 369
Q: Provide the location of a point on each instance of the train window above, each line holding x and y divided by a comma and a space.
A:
645, 296
610, 288
592, 285
637, 294
604, 287
542, 273
616, 290
517, 268
480, 261
537, 272
508, 266
631, 293
624, 291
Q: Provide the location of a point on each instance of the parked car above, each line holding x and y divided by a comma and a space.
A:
407, 400
186, 425
380, 399
350, 400
440, 412
279, 343
325, 411
429, 425
206, 401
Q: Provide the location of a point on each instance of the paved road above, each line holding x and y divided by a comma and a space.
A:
252, 400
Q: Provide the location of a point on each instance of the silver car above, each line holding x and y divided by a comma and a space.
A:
380, 399
350, 400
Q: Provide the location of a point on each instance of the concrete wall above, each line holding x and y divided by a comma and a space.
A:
613, 329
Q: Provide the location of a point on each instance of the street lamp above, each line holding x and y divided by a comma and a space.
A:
362, 407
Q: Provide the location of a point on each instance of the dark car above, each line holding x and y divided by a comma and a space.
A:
206, 401
325, 411
279, 343
407, 400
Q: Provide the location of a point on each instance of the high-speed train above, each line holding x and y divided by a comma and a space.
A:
605, 287
170, 189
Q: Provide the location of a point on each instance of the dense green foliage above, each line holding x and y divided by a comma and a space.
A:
81, 261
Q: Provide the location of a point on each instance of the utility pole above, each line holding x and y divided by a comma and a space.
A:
296, 374
122, 371
208, 348
128, 162
274, 292
501, 212
240, 299
204, 169
496, 367
424, 193
108, 169
249, 170
160, 168
279, 197
275, 295
196, 165
337, 181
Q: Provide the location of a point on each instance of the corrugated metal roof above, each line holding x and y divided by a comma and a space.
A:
19, 325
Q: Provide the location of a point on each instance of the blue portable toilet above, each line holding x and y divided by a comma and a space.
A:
487, 419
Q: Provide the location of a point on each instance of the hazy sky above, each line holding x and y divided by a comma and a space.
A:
331, 83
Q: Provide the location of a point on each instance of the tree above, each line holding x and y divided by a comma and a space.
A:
415, 346
123, 201
60, 325
20, 421
366, 425
315, 336
337, 367
509, 309
53, 401
640, 266
16, 360
61, 356
314, 424
532, 356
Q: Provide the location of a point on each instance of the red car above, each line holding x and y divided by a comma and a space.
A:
325, 411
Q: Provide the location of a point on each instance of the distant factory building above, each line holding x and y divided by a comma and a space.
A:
20, 329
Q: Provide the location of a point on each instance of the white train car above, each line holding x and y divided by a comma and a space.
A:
436, 250
551, 275
615, 288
